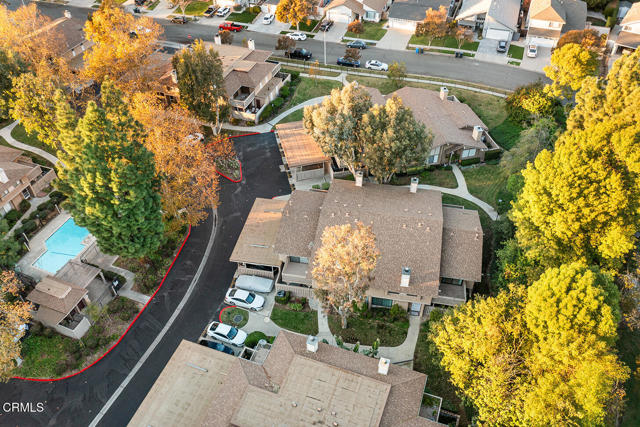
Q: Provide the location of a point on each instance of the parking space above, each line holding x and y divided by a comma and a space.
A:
276, 27
335, 33
538, 63
395, 38
487, 51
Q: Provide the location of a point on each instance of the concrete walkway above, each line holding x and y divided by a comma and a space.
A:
126, 291
6, 134
463, 192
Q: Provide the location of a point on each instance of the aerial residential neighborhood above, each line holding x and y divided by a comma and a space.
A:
320, 212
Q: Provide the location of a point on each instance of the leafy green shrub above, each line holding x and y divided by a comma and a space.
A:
266, 113
467, 162
295, 306
325, 185
253, 338
255, 9
397, 313
61, 367
125, 316
91, 342
24, 206
277, 103
56, 197
611, 21
493, 154
36, 328
304, 301
13, 216
609, 11
528, 102
285, 299
285, 91
316, 186
447, 167
29, 226
295, 75
251, 123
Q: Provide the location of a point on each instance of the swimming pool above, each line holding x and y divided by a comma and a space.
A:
64, 244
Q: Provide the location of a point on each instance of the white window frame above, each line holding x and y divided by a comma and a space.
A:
468, 152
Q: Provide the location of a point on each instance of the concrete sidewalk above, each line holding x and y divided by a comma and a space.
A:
5, 132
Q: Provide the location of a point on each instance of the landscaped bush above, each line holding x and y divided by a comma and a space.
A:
12, 217
447, 167
253, 338
610, 11
467, 162
24, 206
61, 367
29, 226
56, 196
285, 299
255, 9
110, 276
33, 215
611, 21
493, 154
277, 103
284, 92
295, 306
295, 75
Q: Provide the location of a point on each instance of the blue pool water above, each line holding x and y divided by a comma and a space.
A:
64, 244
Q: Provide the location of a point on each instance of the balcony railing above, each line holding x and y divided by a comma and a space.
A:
243, 101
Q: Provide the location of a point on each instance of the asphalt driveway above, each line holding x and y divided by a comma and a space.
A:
77, 400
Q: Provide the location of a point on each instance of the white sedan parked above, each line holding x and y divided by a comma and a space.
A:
268, 19
297, 36
244, 299
374, 64
532, 51
226, 333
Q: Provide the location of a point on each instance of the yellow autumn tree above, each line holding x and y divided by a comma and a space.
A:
434, 24
343, 267
578, 203
13, 314
293, 11
123, 45
185, 165
570, 66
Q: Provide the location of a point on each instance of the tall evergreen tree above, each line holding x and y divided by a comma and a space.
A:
109, 177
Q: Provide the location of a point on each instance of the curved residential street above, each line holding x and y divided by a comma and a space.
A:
77, 400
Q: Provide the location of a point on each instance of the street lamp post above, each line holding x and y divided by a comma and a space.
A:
324, 42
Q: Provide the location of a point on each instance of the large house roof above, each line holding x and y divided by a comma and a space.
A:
412, 230
300, 149
451, 122
503, 12
257, 239
56, 297
414, 10
204, 387
353, 5
571, 13
632, 16
8, 154
547, 10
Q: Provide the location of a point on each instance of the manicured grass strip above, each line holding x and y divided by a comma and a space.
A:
303, 322
366, 330
229, 314
196, 8
305, 25
309, 88
486, 182
245, 17
372, 31
439, 177
516, 51
506, 134
153, 5
443, 42
36, 159
21, 135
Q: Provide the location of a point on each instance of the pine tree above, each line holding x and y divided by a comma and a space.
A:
109, 177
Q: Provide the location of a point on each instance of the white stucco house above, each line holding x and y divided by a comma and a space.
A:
548, 20
498, 19
629, 36
347, 11
406, 14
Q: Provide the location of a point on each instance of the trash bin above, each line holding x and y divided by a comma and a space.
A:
417, 50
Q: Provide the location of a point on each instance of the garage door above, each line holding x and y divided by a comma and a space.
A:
494, 34
337, 16
402, 24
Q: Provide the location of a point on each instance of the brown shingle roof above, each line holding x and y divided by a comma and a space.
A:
461, 244
450, 122
633, 15
377, 5
257, 239
352, 5
204, 387
56, 295
300, 149
547, 10
8, 154
299, 223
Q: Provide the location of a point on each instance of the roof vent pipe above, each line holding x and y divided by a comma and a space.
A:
414, 184
359, 177
406, 276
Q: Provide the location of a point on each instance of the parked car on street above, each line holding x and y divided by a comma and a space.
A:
357, 44
244, 299
179, 20
211, 10
298, 36
300, 53
223, 12
254, 283
347, 62
374, 64
502, 46
532, 51
217, 346
268, 19
326, 25
226, 333
230, 26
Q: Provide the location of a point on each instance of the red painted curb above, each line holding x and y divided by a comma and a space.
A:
125, 332
220, 315
244, 134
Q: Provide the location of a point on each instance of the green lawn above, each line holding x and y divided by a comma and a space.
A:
296, 116
426, 359
506, 134
305, 25
229, 314
303, 322
367, 330
40, 355
36, 158
196, 8
443, 42
516, 51
486, 182
246, 17
153, 5
629, 348
372, 31
21, 135
309, 88
439, 177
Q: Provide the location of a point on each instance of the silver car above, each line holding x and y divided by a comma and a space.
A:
374, 64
